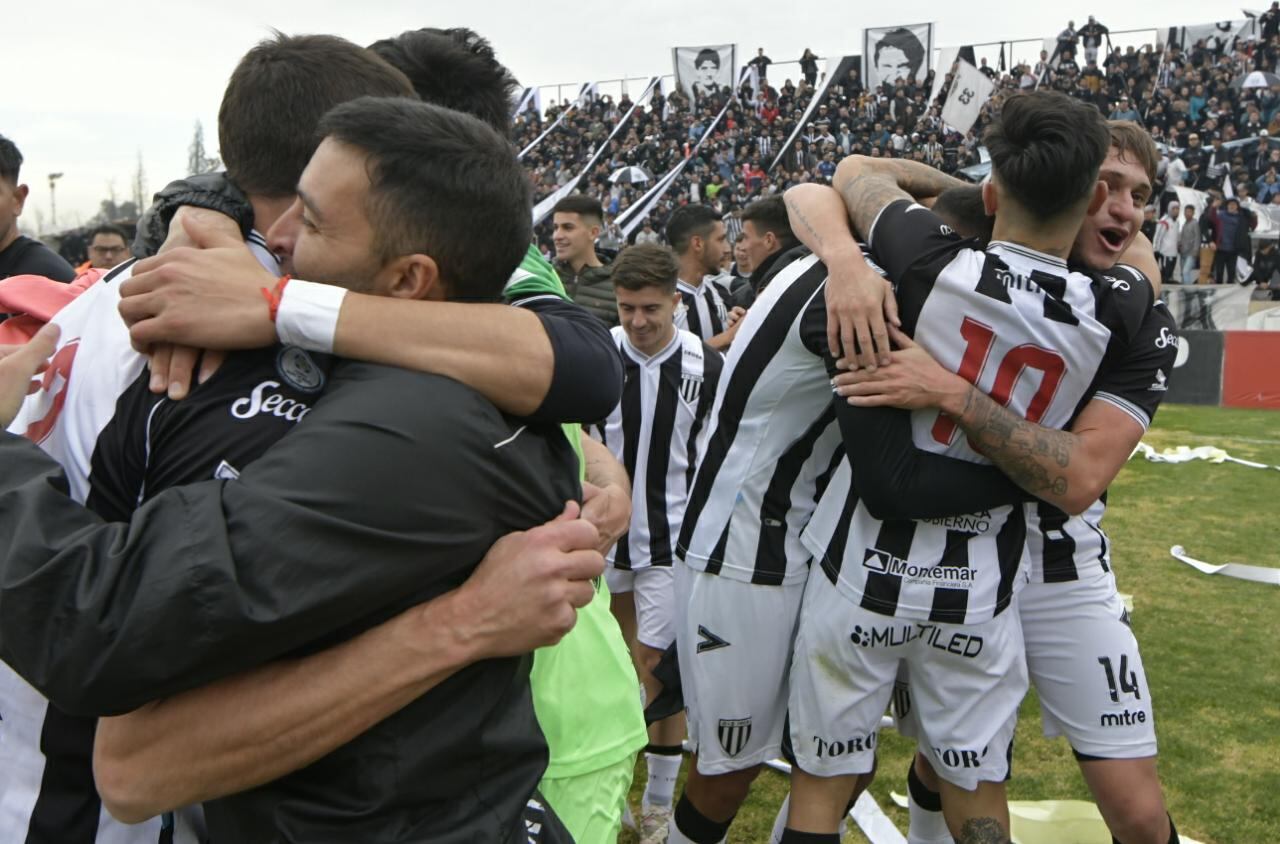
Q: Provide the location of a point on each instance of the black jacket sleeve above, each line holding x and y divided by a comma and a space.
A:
587, 382
207, 190
388, 493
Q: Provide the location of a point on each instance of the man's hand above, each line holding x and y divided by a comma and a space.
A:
735, 314
858, 303
18, 367
526, 592
208, 297
913, 380
609, 509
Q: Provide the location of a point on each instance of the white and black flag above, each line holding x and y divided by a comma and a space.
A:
702, 72
970, 90
890, 53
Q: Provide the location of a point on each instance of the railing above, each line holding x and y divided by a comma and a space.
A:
1018, 50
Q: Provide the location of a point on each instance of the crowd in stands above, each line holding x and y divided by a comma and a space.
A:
1185, 97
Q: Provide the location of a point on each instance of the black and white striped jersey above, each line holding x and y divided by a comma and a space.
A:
773, 439
1133, 377
1026, 330
47, 793
703, 310
657, 432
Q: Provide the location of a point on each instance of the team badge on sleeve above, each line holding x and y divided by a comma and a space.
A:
734, 734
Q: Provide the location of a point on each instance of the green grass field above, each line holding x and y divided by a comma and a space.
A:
1209, 643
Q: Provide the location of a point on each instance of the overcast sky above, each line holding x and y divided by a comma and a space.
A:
92, 85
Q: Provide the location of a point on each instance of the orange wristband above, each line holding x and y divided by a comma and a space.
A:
273, 296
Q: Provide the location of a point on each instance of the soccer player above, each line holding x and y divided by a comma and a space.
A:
932, 594
773, 447
1072, 597
658, 431
696, 234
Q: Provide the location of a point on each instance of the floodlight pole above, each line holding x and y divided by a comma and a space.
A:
53, 200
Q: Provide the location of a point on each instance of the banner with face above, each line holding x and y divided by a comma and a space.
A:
701, 72
891, 53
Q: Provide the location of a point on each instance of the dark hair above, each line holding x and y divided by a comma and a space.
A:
905, 40
582, 205
441, 183
687, 222
107, 228
1130, 139
962, 209
276, 96
454, 68
1046, 149
10, 160
770, 214
708, 55
645, 265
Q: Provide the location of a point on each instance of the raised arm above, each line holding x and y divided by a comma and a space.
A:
859, 307
238, 733
212, 298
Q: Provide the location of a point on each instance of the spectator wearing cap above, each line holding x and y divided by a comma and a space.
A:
1230, 226
1124, 110
844, 139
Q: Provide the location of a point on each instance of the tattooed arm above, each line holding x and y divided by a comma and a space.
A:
857, 298
869, 184
1069, 469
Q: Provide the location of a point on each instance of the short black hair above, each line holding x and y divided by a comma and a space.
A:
770, 215
443, 184
276, 96
1046, 149
687, 222
10, 160
582, 205
963, 210
107, 228
645, 265
454, 68
708, 55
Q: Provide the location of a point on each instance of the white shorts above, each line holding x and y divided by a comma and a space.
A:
735, 657
966, 682
906, 720
1083, 659
655, 598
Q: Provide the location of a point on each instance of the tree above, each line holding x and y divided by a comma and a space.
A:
197, 159
140, 182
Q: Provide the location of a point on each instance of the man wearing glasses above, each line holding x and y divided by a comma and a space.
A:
107, 247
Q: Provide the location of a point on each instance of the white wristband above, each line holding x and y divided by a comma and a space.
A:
308, 315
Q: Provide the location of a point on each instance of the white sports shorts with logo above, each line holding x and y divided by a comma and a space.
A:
1084, 662
966, 683
655, 598
734, 643
906, 719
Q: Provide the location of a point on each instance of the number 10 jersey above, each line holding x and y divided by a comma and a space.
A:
1025, 330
